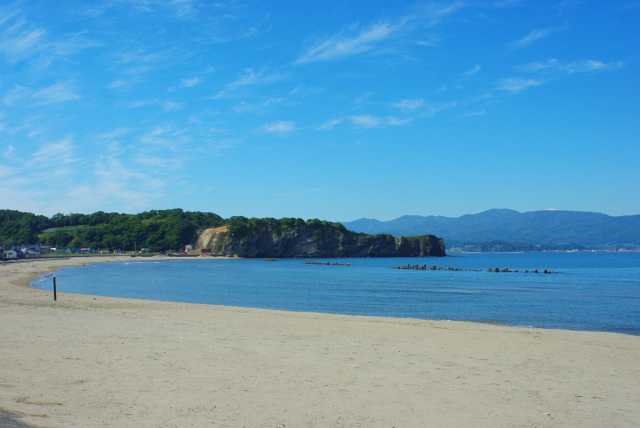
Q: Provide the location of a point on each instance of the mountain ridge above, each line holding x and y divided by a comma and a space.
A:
547, 228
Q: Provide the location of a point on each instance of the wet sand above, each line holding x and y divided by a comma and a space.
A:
96, 361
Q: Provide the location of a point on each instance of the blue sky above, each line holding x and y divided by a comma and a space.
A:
334, 110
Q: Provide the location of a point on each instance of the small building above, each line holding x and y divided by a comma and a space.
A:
9, 254
30, 254
145, 251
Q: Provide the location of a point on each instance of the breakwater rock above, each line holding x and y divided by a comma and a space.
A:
295, 238
457, 269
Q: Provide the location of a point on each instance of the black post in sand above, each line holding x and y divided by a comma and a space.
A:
55, 294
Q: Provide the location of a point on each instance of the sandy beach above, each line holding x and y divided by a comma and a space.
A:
90, 361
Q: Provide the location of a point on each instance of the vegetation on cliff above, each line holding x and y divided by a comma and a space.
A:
290, 237
165, 230
158, 230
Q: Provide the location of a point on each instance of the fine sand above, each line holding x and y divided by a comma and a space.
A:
88, 361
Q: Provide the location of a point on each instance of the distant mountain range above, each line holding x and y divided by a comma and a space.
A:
509, 230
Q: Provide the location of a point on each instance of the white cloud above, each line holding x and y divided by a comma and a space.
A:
473, 71
516, 85
245, 107
365, 121
533, 36
342, 45
53, 155
122, 184
187, 83
574, 67
172, 106
394, 121
57, 93
551, 70
18, 93
116, 84
551, 63
476, 113
330, 124
166, 105
591, 66
431, 109
409, 104
18, 42
72, 44
251, 78
280, 127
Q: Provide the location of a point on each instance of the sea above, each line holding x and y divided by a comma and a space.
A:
597, 291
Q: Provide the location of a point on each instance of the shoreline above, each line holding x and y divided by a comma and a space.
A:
89, 360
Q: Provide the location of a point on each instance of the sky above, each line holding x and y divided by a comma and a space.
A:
336, 110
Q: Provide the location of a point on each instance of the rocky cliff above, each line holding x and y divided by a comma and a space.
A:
313, 239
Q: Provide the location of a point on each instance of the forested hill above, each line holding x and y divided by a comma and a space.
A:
158, 230
508, 230
171, 230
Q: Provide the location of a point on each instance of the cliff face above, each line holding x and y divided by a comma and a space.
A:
314, 242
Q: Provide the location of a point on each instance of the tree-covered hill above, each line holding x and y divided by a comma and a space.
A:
165, 230
158, 230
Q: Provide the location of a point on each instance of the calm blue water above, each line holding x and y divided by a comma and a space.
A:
587, 291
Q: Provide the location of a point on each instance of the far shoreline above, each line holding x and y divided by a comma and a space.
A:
82, 260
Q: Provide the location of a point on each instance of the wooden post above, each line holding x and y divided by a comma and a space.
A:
55, 294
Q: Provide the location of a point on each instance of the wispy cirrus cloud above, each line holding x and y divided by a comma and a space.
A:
187, 83
280, 127
124, 183
251, 78
476, 69
365, 121
535, 35
574, 67
73, 43
357, 39
590, 66
19, 38
165, 104
354, 40
54, 154
517, 84
59, 92
330, 124
544, 72
246, 107
410, 109
476, 113
408, 104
